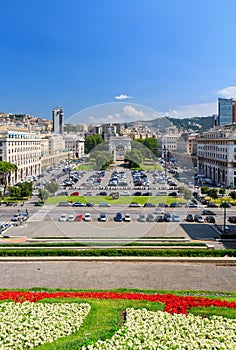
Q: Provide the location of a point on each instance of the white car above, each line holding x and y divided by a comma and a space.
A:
158, 211
104, 204
63, 217
125, 193
127, 217
71, 217
87, 217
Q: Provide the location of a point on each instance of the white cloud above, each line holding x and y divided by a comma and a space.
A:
228, 92
122, 97
195, 110
130, 111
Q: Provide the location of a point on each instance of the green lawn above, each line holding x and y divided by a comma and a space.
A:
121, 200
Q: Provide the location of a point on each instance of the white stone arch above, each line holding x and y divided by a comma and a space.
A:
124, 142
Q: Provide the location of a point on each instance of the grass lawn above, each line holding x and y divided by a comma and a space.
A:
121, 200
107, 316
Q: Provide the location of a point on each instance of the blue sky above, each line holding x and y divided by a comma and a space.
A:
175, 57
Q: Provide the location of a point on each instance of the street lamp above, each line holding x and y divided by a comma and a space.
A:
224, 205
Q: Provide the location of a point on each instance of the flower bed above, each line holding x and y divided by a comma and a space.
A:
173, 303
26, 325
159, 330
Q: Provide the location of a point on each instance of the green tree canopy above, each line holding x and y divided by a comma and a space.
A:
5, 169
52, 186
91, 142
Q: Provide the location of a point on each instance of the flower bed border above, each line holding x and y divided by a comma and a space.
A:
173, 303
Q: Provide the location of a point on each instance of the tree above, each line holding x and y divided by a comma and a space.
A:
5, 169
232, 194
213, 193
186, 192
15, 192
43, 194
134, 157
52, 187
103, 159
222, 191
26, 189
204, 190
91, 142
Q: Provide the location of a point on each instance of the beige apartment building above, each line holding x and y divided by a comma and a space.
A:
23, 148
216, 155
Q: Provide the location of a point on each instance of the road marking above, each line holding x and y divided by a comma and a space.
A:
42, 213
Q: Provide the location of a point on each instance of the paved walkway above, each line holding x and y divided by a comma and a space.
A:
110, 275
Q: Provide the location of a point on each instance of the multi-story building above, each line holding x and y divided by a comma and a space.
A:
53, 149
22, 148
226, 111
58, 120
168, 143
216, 154
74, 145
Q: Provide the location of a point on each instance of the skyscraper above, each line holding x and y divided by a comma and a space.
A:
225, 110
57, 120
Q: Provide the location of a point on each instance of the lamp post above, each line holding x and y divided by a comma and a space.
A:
224, 205
164, 148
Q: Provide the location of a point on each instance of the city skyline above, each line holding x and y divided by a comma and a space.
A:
175, 59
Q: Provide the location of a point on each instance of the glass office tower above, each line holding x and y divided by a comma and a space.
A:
225, 109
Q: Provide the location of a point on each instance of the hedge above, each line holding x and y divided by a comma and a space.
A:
120, 252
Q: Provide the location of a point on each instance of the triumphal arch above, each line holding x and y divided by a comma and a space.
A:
118, 146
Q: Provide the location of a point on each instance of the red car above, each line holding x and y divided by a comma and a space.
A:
74, 194
78, 217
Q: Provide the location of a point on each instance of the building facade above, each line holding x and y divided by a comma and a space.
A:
226, 111
74, 146
22, 148
57, 120
216, 155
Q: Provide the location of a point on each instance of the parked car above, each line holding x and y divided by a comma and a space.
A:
38, 204
212, 205
102, 193
142, 217
118, 217
74, 194
191, 205
159, 218
78, 217
147, 194
104, 204
15, 217
64, 204
190, 218
71, 217
63, 218
89, 204
150, 218
198, 218
134, 205
163, 205
175, 205
225, 205
167, 217
232, 219
78, 204
137, 194
175, 217
125, 193
102, 217
210, 219
158, 211
149, 205
127, 217
208, 212
87, 217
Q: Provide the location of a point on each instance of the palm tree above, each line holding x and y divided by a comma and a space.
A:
5, 169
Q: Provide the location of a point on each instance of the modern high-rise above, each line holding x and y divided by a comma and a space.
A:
57, 120
225, 111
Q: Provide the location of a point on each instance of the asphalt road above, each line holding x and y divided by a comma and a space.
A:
110, 275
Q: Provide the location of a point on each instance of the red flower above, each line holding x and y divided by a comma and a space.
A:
173, 303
